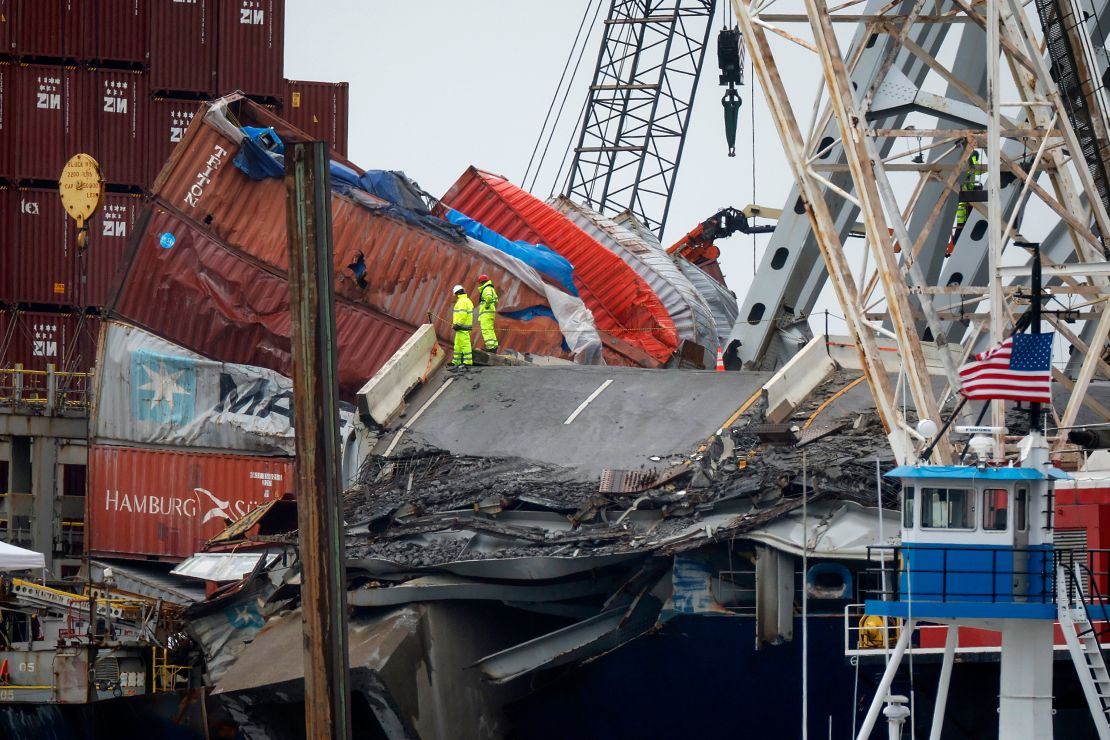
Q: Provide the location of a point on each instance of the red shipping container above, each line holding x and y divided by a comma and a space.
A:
156, 503
183, 46
53, 119
251, 47
52, 28
121, 31
36, 339
6, 26
184, 286
120, 100
110, 231
168, 119
42, 260
7, 120
623, 304
319, 109
8, 204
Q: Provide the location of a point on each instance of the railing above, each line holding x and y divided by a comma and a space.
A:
943, 573
44, 391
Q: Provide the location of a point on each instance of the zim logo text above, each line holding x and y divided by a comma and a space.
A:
252, 14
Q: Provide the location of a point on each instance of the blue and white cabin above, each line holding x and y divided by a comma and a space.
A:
976, 544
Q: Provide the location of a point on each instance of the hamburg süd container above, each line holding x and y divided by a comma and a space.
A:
183, 46
251, 47
166, 503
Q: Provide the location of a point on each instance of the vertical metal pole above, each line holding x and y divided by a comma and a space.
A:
1035, 326
945, 681
994, 206
315, 405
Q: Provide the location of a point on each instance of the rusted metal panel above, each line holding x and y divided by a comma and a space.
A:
183, 46
41, 257
120, 99
51, 28
122, 31
411, 271
216, 301
167, 121
623, 305
166, 503
251, 47
36, 339
634, 481
319, 109
53, 118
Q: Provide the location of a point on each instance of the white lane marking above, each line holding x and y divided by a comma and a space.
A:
586, 403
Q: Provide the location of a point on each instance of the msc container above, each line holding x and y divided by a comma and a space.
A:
52, 28
623, 304
53, 118
122, 31
251, 48
165, 504
183, 46
42, 256
7, 120
225, 306
36, 339
120, 99
167, 121
319, 109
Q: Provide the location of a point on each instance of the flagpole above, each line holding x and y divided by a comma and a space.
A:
1035, 328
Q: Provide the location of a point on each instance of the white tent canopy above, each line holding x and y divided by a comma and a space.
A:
16, 558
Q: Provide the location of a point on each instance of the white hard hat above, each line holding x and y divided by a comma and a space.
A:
459, 289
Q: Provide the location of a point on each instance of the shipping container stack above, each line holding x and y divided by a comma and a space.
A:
120, 80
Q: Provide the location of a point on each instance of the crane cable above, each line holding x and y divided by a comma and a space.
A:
566, 93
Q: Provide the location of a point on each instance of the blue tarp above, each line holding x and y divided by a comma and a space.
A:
395, 187
542, 258
974, 473
259, 152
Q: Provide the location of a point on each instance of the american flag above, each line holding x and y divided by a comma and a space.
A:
1019, 369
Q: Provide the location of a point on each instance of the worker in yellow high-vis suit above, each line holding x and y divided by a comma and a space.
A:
462, 318
487, 312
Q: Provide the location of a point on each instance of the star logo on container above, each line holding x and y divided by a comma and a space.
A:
244, 616
163, 388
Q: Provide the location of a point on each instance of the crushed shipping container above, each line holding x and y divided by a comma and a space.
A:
166, 504
411, 264
693, 319
319, 109
185, 286
153, 392
624, 306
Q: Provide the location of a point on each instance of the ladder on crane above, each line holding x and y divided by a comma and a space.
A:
1083, 643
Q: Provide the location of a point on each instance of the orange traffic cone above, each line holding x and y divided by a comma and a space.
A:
720, 359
